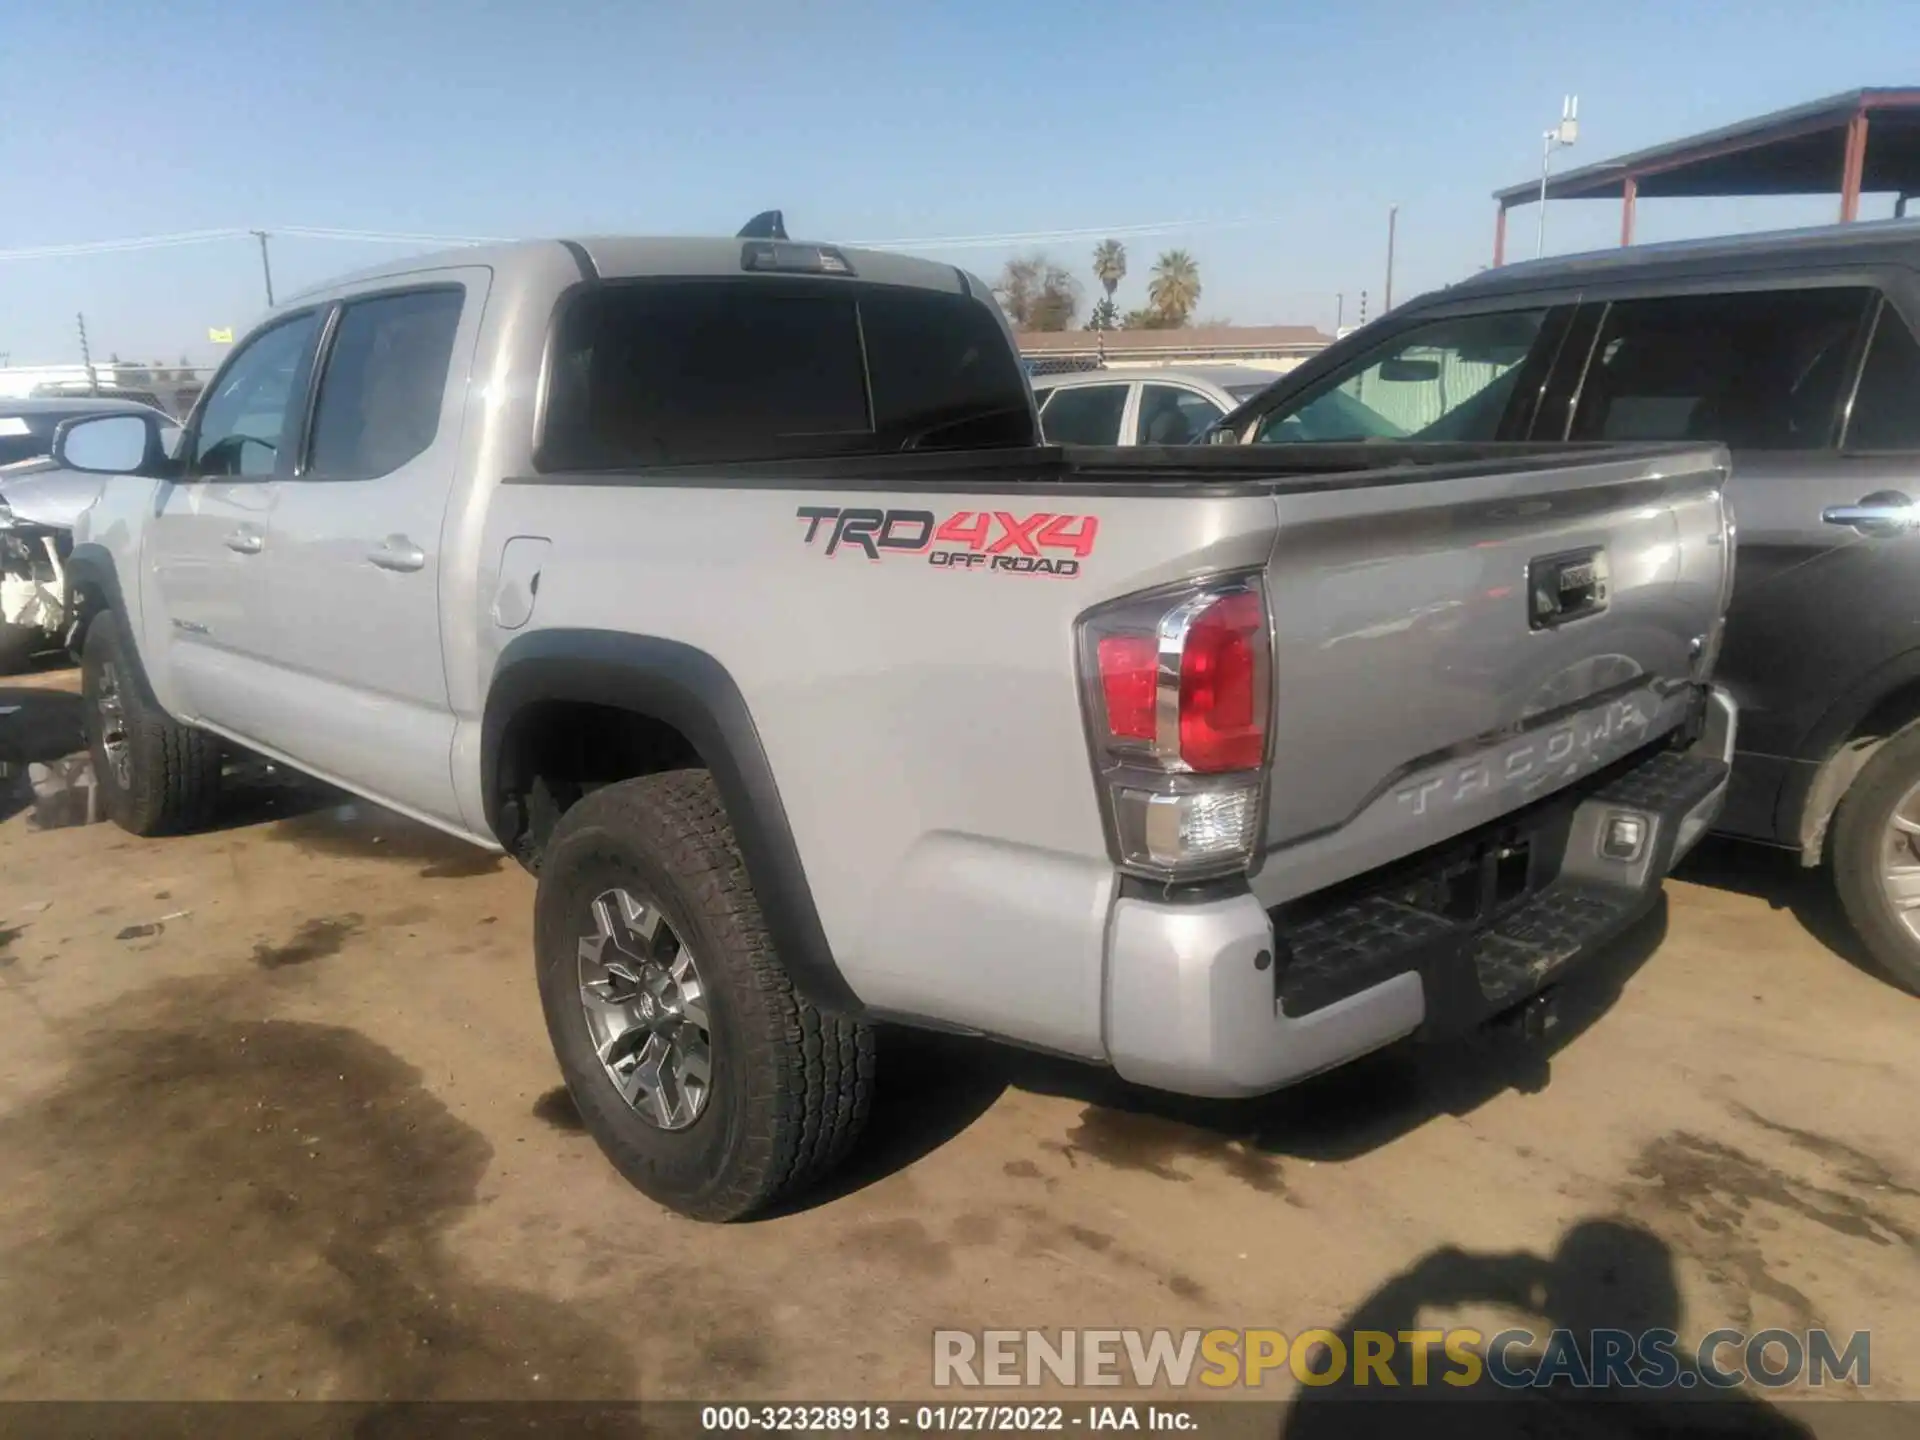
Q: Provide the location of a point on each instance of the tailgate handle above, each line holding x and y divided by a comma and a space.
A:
1564, 587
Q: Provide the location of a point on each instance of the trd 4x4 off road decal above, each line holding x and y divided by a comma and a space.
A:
994, 540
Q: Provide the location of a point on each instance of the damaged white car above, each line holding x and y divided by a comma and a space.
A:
39, 502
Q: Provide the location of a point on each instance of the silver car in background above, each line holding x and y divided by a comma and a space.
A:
1159, 406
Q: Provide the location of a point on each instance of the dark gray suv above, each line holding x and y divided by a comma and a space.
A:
1798, 350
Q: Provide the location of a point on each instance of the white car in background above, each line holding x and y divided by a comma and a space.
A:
1161, 406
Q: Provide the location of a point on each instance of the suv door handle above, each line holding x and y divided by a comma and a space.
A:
397, 552
1883, 514
244, 541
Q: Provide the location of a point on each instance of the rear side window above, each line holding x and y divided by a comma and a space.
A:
386, 375
1085, 415
1761, 370
665, 373
1886, 407
1172, 416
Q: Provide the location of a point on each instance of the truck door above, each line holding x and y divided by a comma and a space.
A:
206, 546
355, 580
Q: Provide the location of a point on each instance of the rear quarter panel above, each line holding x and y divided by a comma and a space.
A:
922, 722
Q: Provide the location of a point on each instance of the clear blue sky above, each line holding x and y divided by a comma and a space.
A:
862, 121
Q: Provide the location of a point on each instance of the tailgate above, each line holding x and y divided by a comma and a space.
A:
1448, 650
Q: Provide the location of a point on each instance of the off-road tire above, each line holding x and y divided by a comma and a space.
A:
19, 644
172, 783
791, 1085
1856, 848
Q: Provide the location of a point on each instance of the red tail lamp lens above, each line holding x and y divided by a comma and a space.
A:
1223, 709
1128, 669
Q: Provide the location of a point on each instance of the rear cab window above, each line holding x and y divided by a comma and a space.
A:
385, 377
666, 372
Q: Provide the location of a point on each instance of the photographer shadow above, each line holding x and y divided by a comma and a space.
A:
1605, 1275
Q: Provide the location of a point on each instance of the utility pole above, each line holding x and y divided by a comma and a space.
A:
266, 265
1565, 133
1339, 312
1393, 215
86, 358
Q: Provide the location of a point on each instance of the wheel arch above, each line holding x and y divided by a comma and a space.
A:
1839, 746
679, 691
93, 586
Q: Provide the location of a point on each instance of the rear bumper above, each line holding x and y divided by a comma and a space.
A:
1225, 997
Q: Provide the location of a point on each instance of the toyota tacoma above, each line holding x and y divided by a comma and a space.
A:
728, 586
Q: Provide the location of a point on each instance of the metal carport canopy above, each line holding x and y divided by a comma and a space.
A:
1860, 140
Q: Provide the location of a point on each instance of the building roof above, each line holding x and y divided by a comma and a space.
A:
1797, 151
1213, 339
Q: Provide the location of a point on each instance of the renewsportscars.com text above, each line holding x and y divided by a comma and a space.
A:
1510, 1359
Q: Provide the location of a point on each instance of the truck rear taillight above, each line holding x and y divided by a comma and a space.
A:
1178, 686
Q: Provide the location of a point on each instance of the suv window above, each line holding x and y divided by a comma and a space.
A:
1448, 380
246, 417
663, 373
385, 377
1085, 415
1170, 415
1886, 406
1760, 370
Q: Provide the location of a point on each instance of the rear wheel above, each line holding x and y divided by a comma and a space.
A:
156, 776
708, 1081
1876, 857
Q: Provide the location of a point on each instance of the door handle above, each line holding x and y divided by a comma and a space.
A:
1883, 514
244, 541
397, 552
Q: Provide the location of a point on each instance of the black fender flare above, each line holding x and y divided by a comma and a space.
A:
90, 567
685, 687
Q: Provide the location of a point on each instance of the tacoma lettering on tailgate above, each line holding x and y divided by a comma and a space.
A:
993, 540
1585, 742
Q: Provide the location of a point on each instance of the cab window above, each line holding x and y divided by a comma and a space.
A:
251, 414
1451, 379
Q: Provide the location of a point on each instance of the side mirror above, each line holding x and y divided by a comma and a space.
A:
1410, 371
1221, 435
115, 444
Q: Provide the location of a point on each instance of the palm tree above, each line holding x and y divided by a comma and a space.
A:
1110, 265
1176, 286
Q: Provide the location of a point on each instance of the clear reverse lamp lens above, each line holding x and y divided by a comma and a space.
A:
1184, 831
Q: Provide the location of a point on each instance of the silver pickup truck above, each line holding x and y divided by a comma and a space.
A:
726, 585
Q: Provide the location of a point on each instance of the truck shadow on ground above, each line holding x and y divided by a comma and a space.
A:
44, 765
1778, 877
933, 1086
1606, 1274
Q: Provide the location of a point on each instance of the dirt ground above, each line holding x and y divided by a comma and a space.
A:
278, 1119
